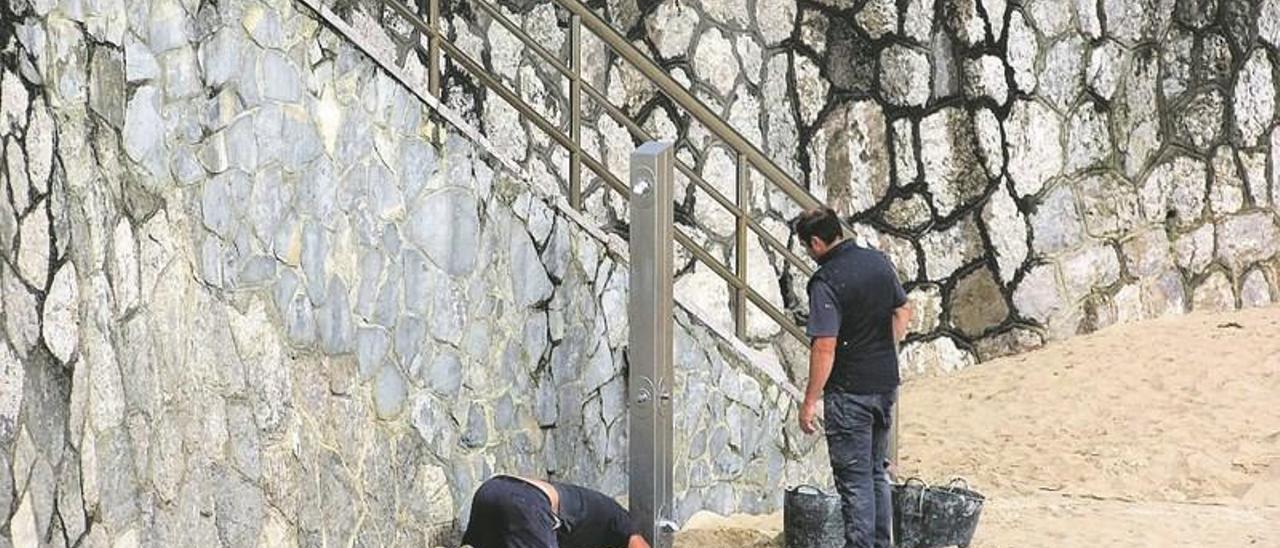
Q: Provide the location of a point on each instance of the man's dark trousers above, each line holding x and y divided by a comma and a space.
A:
857, 428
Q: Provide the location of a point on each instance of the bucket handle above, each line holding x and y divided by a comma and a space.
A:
924, 488
964, 484
812, 490
970, 507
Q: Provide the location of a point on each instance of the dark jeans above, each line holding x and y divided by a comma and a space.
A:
509, 513
857, 428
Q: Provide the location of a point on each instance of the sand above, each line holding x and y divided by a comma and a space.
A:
1163, 433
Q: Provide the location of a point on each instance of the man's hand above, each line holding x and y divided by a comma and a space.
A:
808, 413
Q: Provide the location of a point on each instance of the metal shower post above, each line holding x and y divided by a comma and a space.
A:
650, 342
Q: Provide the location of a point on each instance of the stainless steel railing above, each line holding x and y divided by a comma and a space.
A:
425, 17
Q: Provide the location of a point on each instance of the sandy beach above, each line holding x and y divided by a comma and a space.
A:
1163, 433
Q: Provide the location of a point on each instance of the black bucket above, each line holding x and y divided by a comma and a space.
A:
811, 518
930, 517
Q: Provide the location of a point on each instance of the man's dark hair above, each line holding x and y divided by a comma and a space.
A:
821, 222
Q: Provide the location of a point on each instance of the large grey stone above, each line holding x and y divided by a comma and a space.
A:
949, 155
917, 21
372, 344
21, 315
168, 26
144, 130
671, 28
1269, 22
476, 433
1136, 116
1109, 204
13, 110
1106, 66
333, 319
34, 246
926, 304
852, 144
1275, 165
1199, 124
776, 19
1226, 194
1090, 268
1148, 253
445, 374
1023, 47
1009, 343
389, 393
904, 153
1255, 98
990, 142
910, 213
811, 89
1132, 21
977, 303
936, 356
1176, 188
239, 509
39, 146
850, 58
18, 182
1215, 61
1253, 165
12, 375
1255, 291
1176, 59
1039, 295
985, 77
1089, 138
62, 314
1215, 293
1062, 78
904, 78
1164, 295
1056, 224
715, 63
878, 18
965, 22
1034, 146
946, 65
946, 251
1008, 232
445, 225
1248, 238
1194, 250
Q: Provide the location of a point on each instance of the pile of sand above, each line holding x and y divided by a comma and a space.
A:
1165, 433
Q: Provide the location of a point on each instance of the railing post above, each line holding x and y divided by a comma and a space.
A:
433, 48
650, 347
740, 251
575, 112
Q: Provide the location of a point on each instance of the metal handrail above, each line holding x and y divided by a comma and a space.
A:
748, 156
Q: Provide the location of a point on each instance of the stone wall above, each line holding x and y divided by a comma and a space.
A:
256, 293
1036, 169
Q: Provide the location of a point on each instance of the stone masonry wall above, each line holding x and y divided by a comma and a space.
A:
249, 300
1036, 169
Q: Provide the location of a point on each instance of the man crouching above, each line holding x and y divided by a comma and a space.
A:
515, 512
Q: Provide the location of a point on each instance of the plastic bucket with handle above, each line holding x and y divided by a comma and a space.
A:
811, 518
931, 517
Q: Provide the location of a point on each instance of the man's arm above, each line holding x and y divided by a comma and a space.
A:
637, 541
901, 321
822, 356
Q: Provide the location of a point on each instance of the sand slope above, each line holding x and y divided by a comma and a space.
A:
1165, 433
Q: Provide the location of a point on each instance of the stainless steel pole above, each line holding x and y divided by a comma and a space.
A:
650, 348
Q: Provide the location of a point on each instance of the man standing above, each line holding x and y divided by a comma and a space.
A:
858, 312
516, 512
